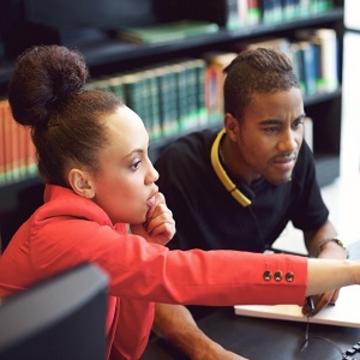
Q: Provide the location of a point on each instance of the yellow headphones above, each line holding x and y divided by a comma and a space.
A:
229, 185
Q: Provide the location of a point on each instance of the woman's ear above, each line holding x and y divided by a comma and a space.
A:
81, 182
232, 127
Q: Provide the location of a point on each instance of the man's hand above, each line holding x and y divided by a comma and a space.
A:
159, 226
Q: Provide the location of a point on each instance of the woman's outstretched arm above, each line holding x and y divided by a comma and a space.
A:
327, 274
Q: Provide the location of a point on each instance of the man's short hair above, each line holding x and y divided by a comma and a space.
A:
260, 70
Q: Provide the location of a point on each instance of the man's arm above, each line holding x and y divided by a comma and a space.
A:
318, 245
176, 324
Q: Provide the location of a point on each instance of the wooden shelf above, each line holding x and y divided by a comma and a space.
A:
105, 52
115, 51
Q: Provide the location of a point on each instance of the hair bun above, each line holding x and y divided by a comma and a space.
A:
44, 76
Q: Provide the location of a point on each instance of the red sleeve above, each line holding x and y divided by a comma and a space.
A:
150, 272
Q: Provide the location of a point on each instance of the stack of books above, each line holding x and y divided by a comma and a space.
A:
167, 32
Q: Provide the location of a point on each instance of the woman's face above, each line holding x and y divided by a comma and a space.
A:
125, 180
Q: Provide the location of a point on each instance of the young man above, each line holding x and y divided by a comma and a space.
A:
239, 188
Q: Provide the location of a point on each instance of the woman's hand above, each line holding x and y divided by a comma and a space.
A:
321, 301
159, 226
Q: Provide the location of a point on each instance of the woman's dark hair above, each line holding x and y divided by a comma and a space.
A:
46, 92
256, 71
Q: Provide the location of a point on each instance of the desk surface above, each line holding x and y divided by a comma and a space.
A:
261, 339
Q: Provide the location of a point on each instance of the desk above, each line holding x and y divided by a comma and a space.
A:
261, 339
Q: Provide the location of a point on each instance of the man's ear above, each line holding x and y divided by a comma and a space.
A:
232, 127
81, 182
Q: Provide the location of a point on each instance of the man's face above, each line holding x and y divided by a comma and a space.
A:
269, 136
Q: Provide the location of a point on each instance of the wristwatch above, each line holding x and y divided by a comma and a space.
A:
336, 241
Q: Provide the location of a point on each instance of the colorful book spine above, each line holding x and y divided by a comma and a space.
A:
2, 143
153, 103
214, 81
168, 102
17, 152
329, 58
202, 114
179, 70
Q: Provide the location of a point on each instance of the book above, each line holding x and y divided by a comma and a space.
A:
167, 32
135, 97
167, 85
2, 142
298, 66
232, 14
183, 108
214, 81
191, 79
116, 86
31, 162
200, 68
310, 66
8, 143
324, 42
229, 14
153, 104
329, 58
14, 138
280, 44
271, 11
343, 313
254, 12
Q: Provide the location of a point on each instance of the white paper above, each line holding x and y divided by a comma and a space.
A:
346, 312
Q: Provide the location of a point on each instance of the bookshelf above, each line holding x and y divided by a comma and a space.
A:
106, 56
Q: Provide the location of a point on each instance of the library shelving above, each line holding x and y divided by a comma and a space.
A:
106, 55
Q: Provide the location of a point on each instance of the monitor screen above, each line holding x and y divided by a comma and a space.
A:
61, 318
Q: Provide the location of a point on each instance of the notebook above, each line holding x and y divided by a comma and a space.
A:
345, 313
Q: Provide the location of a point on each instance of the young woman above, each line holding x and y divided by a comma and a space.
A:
92, 153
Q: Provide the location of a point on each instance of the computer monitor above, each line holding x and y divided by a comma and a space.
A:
62, 318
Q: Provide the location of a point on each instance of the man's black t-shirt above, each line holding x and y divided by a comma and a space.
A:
208, 217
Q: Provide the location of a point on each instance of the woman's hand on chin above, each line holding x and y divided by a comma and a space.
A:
159, 226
